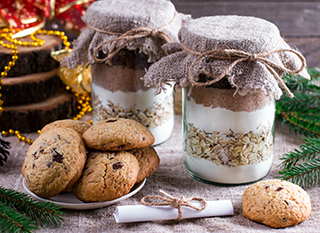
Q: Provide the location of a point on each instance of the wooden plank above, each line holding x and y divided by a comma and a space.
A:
309, 47
294, 18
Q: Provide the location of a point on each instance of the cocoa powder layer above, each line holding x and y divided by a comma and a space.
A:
117, 78
225, 98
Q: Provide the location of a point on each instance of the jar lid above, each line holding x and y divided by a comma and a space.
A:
249, 34
248, 51
111, 24
121, 16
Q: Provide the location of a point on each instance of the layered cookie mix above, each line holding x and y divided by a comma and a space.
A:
120, 45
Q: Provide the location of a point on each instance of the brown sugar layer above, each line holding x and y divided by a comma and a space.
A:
225, 98
117, 78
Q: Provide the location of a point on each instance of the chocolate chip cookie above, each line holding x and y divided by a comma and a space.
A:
78, 126
148, 161
54, 162
117, 134
107, 175
276, 203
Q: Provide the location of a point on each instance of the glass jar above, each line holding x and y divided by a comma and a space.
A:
121, 40
230, 70
227, 139
118, 91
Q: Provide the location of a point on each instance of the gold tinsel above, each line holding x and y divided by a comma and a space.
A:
79, 79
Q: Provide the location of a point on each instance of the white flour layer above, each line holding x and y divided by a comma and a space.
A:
212, 172
140, 100
222, 120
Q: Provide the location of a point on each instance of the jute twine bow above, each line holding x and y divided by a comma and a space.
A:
240, 56
175, 202
127, 37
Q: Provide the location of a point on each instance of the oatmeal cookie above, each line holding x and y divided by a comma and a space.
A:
107, 176
78, 126
276, 203
117, 134
148, 161
54, 162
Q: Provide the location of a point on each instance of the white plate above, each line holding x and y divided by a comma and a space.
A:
69, 201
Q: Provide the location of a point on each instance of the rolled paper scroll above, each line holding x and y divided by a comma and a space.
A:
142, 213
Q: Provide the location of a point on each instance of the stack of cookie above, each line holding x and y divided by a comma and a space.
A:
119, 155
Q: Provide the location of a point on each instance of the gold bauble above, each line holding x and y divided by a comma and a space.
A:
78, 79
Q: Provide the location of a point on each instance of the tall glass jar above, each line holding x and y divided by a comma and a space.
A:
227, 140
229, 68
121, 40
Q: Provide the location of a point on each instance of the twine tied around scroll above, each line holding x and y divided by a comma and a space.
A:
240, 56
127, 37
175, 202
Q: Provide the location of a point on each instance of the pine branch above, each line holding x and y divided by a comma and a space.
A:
44, 213
308, 151
13, 221
300, 125
302, 166
305, 175
297, 83
4, 153
301, 113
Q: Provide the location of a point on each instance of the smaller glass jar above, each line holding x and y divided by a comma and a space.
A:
118, 91
121, 40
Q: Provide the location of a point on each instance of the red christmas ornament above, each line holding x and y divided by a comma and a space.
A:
31, 15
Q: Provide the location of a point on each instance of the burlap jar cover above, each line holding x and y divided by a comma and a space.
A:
230, 68
121, 40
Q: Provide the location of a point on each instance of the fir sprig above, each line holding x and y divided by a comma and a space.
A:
301, 113
13, 221
302, 166
24, 213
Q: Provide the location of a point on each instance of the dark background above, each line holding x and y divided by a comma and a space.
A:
298, 21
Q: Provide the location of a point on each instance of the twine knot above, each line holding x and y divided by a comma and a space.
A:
124, 39
175, 202
154, 32
240, 56
252, 57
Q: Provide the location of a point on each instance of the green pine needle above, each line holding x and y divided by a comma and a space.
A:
41, 213
301, 113
302, 166
13, 221
302, 116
